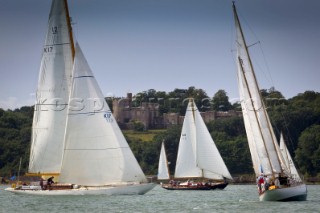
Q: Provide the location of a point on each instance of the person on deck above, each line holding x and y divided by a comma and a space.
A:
260, 182
50, 181
41, 184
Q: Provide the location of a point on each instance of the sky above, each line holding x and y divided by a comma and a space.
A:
137, 45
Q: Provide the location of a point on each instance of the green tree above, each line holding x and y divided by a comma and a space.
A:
308, 152
220, 101
138, 126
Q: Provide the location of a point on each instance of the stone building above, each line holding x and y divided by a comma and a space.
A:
148, 114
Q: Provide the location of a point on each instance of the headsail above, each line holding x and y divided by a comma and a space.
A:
96, 152
288, 160
208, 156
52, 95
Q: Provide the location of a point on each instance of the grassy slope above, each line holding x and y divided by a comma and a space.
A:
145, 136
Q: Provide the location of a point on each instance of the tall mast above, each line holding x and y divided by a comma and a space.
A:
69, 28
256, 83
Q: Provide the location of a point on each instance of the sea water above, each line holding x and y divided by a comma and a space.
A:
234, 198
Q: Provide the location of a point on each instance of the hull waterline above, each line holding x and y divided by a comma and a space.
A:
294, 193
138, 189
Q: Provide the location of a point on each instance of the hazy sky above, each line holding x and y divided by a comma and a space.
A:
136, 45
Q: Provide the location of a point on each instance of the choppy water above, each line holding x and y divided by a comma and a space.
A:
235, 198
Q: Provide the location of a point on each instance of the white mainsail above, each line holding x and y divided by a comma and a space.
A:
262, 142
52, 95
198, 155
288, 160
163, 171
96, 152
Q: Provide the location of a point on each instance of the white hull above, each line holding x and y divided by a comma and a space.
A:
136, 189
294, 193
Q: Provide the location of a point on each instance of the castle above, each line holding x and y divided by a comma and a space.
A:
124, 112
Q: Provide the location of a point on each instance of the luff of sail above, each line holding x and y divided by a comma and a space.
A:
163, 171
52, 93
262, 142
96, 152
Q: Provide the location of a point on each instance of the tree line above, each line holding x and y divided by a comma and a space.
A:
298, 118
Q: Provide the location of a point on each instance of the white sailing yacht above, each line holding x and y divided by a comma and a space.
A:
264, 148
78, 141
198, 156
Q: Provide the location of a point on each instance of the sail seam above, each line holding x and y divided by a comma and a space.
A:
93, 112
59, 44
85, 76
99, 149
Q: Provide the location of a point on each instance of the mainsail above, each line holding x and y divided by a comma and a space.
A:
96, 152
52, 95
262, 141
198, 155
163, 171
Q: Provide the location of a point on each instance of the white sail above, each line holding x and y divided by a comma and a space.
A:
52, 93
207, 154
198, 155
163, 171
262, 142
288, 160
186, 165
250, 136
96, 152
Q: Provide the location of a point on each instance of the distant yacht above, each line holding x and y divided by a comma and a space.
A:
198, 161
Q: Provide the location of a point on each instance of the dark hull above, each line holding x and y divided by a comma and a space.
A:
170, 187
220, 186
